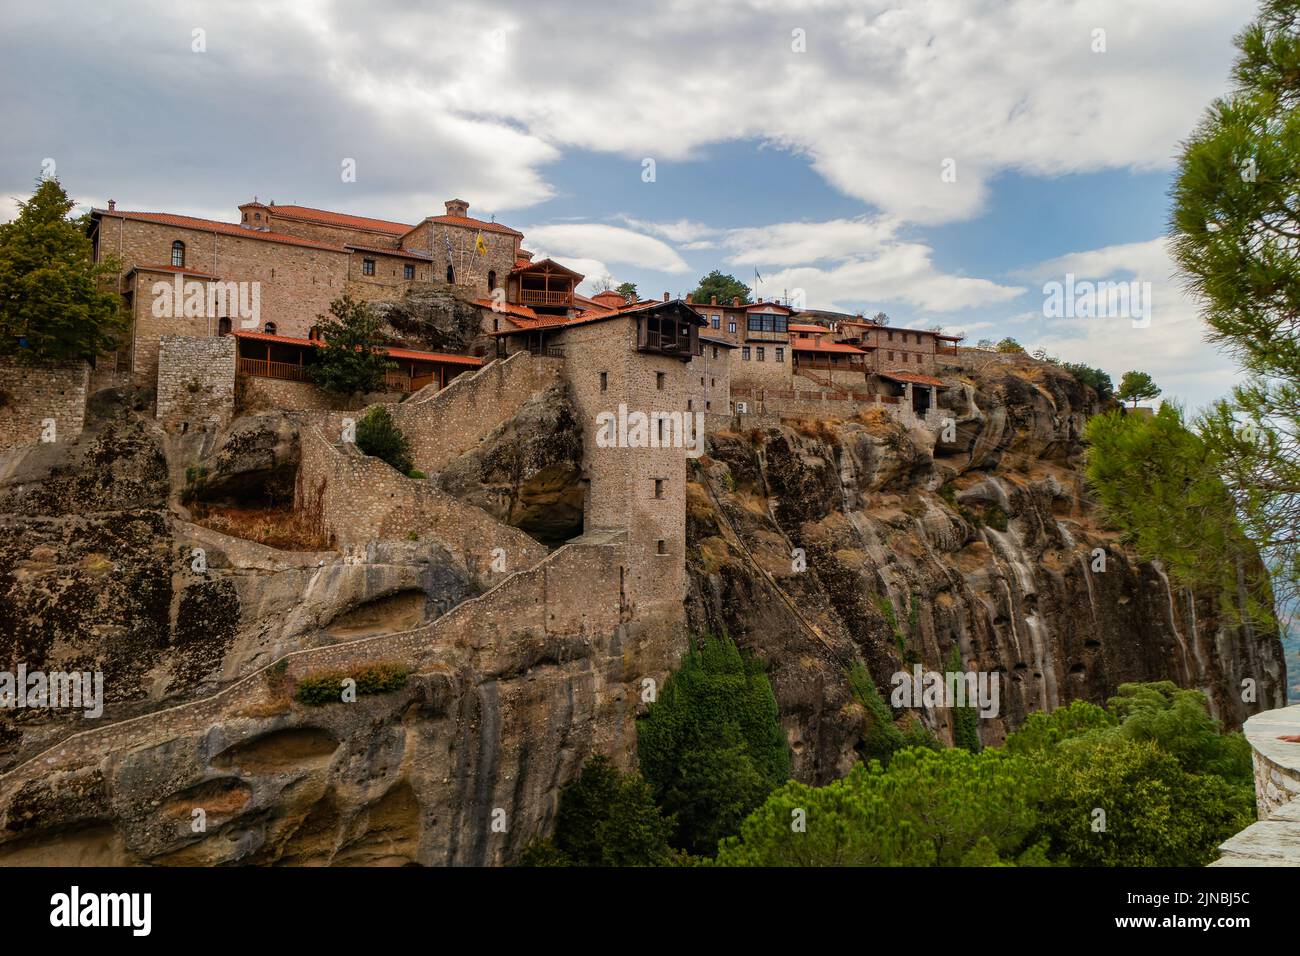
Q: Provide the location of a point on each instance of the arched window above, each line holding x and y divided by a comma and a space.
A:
223, 326
451, 273
178, 254
314, 332
492, 279
270, 328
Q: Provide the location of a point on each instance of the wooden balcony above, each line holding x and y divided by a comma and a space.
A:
648, 340
546, 351
545, 297
263, 368
766, 335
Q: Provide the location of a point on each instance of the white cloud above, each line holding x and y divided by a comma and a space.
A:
792, 243
1172, 348
606, 243
466, 96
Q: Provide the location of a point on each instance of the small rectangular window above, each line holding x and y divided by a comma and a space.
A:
760, 353
780, 354
891, 356
661, 546
604, 381
367, 267
715, 351
408, 272
659, 482
744, 353
731, 327
717, 321
659, 380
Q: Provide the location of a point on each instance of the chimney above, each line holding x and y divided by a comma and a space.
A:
112, 204
457, 207
760, 300
665, 296
735, 301
713, 300
688, 298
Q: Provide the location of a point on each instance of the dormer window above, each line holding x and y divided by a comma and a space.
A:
178, 255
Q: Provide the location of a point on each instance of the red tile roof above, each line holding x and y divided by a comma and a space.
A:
910, 377
212, 225
327, 218
543, 265
475, 224
815, 329
390, 351
175, 270
767, 305
591, 315
401, 253
515, 311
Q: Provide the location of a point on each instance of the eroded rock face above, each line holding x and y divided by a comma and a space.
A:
527, 473
255, 459
913, 546
432, 317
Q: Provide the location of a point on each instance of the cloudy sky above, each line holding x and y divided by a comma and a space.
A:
940, 160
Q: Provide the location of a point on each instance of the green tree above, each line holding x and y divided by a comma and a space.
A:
1010, 345
1235, 226
1158, 483
378, 435
627, 290
881, 735
1137, 386
56, 303
725, 287
965, 720
1180, 723
353, 361
1155, 813
606, 818
1098, 380
711, 746
928, 808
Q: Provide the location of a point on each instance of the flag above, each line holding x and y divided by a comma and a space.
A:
447, 239
757, 278
479, 245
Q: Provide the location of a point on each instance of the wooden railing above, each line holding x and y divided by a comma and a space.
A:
545, 297
420, 381
266, 369
945, 349
546, 351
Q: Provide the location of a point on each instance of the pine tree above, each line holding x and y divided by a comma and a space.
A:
56, 304
1236, 229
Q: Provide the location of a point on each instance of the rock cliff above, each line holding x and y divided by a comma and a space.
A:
814, 543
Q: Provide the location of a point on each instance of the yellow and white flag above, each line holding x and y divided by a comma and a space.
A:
479, 245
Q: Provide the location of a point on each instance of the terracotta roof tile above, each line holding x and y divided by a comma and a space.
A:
390, 351
325, 217
475, 224
174, 270
817, 345
222, 228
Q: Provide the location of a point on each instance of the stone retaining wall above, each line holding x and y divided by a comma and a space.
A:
196, 380
443, 425
359, 499
42, 402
